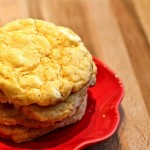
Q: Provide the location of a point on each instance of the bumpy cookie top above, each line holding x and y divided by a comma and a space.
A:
41, 63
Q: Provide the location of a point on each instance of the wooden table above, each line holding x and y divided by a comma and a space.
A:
118, 33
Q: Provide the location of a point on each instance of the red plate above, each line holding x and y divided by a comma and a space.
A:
100, 121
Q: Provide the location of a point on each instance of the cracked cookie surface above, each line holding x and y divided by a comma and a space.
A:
41, 63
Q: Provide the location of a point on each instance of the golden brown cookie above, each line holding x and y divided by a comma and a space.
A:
20, 133
41, 117
41, 63
9, 115
56, 112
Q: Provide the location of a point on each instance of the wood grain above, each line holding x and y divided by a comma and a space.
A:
118, 33
136, 43
12, 9
115, 54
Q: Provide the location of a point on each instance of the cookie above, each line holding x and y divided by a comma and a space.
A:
41, 63
20, 133
9, 115
57, 112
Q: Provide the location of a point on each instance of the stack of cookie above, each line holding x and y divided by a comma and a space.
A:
45, 71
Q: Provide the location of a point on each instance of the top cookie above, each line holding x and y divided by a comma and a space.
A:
41, 63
